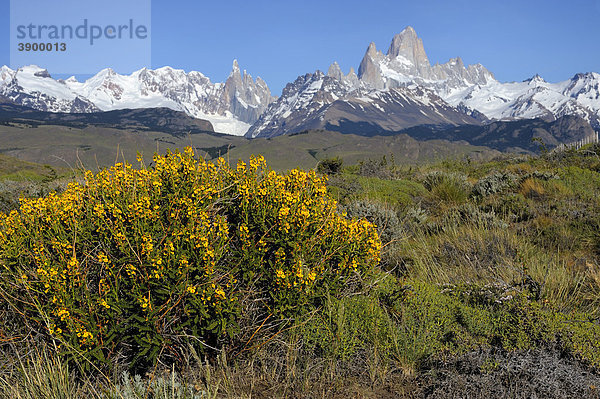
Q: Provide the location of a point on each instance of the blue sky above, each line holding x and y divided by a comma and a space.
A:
279, 40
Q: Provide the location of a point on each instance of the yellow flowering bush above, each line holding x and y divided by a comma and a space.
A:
140, 262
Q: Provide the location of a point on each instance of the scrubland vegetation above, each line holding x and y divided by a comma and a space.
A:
182, 278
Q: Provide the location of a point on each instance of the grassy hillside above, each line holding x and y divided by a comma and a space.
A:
306, 149
95, 146
20, 178
488, 286
15, 169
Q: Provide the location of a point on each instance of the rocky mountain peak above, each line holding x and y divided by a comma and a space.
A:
244, 97
369, 70
535, 79
5, 73
335, 71
456, 62
371, 50
235, 70
109, 72
408, 45
406, 62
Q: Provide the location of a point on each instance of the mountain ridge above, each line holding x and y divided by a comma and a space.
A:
231, 107
471, 90
163, 119
243, 105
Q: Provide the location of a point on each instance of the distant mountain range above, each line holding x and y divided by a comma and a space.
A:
231, 107
391, 92
510, 136
401, 89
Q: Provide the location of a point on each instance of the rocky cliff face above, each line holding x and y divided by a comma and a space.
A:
245, 98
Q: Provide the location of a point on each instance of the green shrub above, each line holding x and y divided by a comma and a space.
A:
494, 183
330, 166
140, 263
459, 318
515, 207
471, 213
383, 217
448, 187
377, 168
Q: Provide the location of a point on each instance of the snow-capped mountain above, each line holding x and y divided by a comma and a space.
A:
390, 92
33, 87
303, 102
461, 94
533, 98
231, 107
406, 63
475, 88
319, 101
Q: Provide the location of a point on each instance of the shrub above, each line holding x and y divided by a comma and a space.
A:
435, 178
330, 166
455, 319
470, 213
377, 168
494, 183
448, 187
414, 220
384, 218
138, 262
532, 188
543, 175
515, 207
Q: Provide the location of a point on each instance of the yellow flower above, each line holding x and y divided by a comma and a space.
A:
131, 270
144, 303
102, 258
283, 212
219, 292
63, 314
